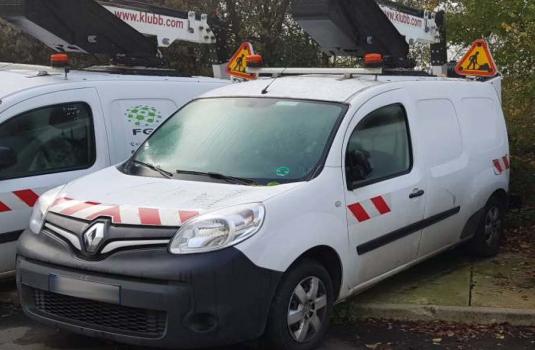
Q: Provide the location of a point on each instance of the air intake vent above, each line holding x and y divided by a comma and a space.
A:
101, 316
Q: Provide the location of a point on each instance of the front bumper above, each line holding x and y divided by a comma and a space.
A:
146, 296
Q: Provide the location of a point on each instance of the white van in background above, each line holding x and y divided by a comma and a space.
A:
54, 129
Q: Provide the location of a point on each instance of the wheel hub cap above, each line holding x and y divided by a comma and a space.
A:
493, 224
306, 311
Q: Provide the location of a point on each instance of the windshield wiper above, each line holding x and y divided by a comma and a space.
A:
231, 179
152, 167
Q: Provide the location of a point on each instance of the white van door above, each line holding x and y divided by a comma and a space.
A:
385, 186
446, 164
51, 139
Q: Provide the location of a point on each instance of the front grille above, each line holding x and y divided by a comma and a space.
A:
101, 316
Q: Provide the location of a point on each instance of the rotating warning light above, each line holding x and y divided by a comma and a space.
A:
373, 59
59, 60
255, 61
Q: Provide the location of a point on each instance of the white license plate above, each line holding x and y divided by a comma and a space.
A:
84, 289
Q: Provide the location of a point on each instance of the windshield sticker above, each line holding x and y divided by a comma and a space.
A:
282, 171
273, 183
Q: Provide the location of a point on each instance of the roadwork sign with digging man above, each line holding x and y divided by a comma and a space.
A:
478, 61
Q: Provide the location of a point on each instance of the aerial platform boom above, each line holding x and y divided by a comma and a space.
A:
128, 31
357, 27
166, 24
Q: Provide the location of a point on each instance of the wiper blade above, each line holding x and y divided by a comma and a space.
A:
152, 167
231, 179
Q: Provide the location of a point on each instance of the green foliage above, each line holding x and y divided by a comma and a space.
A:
15, 47
509, 25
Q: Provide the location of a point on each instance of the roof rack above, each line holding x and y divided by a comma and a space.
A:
346, 72
135, 70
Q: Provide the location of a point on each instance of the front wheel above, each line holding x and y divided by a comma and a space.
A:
301, 309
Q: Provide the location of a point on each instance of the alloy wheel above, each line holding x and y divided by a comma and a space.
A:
493, 225
307, 309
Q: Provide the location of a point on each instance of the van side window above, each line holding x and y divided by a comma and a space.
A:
379, 147
47, 140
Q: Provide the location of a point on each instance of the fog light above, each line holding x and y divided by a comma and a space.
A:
201, 322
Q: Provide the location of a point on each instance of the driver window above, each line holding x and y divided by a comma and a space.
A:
48, 140
379, 147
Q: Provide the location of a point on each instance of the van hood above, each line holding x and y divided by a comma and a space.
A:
136, 200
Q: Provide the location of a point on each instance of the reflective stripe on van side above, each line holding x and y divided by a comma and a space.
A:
371, 208
501, 165
20, 199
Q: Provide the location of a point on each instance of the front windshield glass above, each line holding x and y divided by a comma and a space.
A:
261, 139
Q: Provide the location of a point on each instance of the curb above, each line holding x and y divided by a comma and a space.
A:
457, 314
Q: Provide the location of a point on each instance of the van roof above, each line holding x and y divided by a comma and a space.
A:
333, 88
17, 77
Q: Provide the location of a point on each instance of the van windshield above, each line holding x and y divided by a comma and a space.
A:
261, 140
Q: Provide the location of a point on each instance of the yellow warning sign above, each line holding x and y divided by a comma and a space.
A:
237, 67
478, 61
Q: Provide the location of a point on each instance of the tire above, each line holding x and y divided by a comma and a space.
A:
310, 321
489, 234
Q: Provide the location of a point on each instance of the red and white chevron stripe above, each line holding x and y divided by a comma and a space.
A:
121, 214
16, 200
501, 165
371, 208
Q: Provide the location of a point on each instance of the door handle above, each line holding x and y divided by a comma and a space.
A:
416, 193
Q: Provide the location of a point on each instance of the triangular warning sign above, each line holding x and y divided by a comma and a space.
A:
478, 61
237, 67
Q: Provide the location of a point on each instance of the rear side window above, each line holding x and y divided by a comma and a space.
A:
440, 133
47, 140
379, 147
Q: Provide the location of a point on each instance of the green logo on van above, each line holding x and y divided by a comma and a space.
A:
143, 115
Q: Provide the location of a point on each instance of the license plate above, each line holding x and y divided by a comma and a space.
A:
84, 289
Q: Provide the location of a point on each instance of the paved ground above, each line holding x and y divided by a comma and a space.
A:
454, 279
18, 333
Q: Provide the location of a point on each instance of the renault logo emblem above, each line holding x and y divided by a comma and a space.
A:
93, 236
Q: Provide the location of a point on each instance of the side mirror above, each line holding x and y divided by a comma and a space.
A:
358, 168
8, 157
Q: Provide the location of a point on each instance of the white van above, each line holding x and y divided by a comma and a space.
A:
53, 130
255, 208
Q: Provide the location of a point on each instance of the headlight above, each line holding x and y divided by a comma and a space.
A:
218, 230
41, 207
